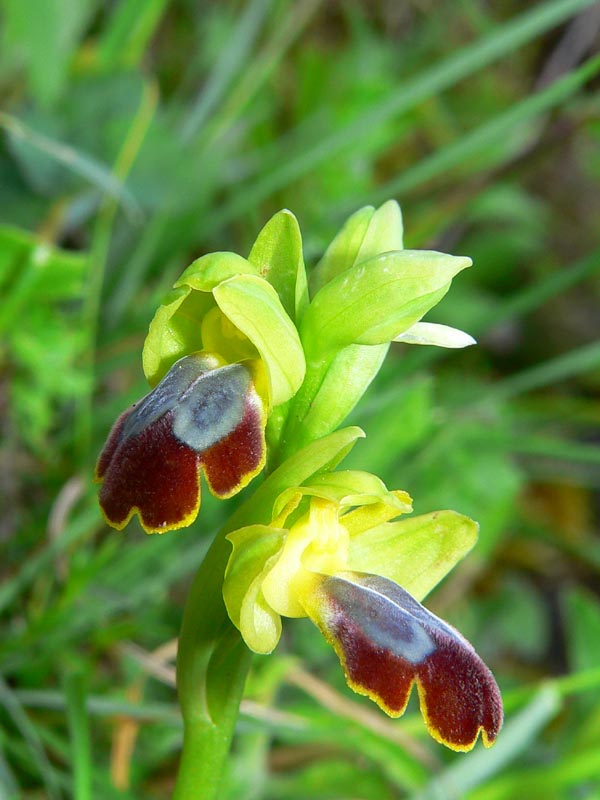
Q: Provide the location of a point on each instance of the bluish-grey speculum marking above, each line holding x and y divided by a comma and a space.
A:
167, 394
208, 401
384, 623
212, 407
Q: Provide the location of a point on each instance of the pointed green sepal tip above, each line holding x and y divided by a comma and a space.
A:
346, 489
378, 299
367, 233
277, 256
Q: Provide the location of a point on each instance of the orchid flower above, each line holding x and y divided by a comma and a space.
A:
203, 416
344, 564
221, 352
252, 370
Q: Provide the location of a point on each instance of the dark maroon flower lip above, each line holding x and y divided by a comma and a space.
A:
387, 642
201, 417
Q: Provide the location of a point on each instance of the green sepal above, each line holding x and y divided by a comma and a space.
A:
255, 550
210, 270
277, 257
176, 328
254, 307
376, 300
384, 234
416, 552
367, 233
174, 332
341, 253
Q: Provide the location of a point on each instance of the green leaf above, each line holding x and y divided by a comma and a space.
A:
277, 256
416, 552
254, 307
31, 271
376, 300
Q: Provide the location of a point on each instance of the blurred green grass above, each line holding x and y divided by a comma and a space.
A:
137, 135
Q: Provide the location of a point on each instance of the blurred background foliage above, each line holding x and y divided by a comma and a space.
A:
137, 135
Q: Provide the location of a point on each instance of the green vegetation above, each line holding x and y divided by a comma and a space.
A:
136, 136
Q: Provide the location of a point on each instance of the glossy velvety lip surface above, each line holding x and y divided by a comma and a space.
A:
200, 417
387, 642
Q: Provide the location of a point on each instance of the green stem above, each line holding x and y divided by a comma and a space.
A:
79, 728
212, 665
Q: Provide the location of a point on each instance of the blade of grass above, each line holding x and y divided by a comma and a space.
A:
130, 28
565, 685
557, 369
68, 621
544, 289
79, 527
81, 754
261, 66
483, 137
101, 706
83, 165
550, 459
569, 776
502, 41
8, 783
168, 713
555, 448
28, 731
233, 59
